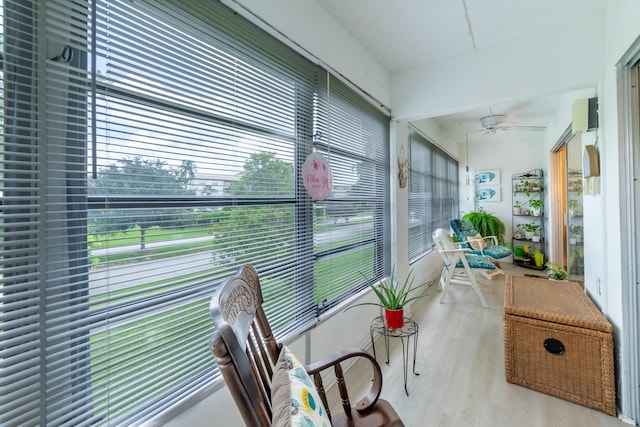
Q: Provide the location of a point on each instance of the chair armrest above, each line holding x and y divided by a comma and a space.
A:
481, 242
456, 250
332, 361
493, 239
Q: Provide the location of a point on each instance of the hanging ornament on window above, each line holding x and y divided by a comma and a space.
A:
403, 168
316, 175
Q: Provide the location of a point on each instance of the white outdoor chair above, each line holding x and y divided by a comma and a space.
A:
458, 265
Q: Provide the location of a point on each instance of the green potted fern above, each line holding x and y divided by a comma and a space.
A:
486, 223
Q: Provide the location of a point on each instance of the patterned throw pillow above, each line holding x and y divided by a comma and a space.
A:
295, 401
477, 242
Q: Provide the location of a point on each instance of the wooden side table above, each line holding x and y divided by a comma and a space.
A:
410, 329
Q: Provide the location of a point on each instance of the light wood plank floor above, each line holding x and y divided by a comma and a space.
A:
460, 360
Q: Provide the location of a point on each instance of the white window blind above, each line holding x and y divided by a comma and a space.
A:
21, 279
352, 226
149, 150
433, 193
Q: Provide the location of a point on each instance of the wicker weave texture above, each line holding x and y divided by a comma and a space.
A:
555, 301
583, 373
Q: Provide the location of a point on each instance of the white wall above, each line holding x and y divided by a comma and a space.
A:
510, 152
621, 31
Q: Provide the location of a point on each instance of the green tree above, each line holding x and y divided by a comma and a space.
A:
136, 176
263, 176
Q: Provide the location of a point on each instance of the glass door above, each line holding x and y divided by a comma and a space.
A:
573, 215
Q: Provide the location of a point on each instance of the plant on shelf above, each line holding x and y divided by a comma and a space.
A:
535, 237
520, 231
535, 186
574, 209
524, 184
529, 186
517, 208
575, 234
393, 296
486, 223
532, 228
575, 229
535, 205
554, 271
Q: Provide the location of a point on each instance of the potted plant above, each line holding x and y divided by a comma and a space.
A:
555, 272
520, 231
574, 208
575, 233
517, 208
524, 186
536, 206
530, 229
535, 237
486, 223
393, 296
535, 186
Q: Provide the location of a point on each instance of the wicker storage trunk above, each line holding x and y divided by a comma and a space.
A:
556, 341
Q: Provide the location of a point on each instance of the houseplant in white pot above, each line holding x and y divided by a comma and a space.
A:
575, 233
393, 296
517, 208
530, 229
535, 237
536, 206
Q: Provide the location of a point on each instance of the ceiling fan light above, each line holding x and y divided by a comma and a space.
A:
490, 122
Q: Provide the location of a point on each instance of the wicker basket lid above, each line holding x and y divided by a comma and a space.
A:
553, 301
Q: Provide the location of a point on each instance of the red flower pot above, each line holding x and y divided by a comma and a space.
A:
394, 318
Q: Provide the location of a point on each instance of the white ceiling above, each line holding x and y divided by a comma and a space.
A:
404, 34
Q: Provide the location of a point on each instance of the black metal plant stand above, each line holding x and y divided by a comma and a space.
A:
408, 330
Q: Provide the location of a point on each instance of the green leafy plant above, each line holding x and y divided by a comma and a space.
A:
486, 223
533, 227
525, 187
575, 229
535, 203
391, 294
529, 186
554, 271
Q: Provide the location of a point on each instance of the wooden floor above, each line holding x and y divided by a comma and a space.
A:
460, 360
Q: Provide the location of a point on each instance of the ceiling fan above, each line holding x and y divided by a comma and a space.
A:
496, 122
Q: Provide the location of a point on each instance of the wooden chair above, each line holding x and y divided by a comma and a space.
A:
246, 352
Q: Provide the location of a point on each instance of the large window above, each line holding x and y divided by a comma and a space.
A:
433, 192
149, 151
